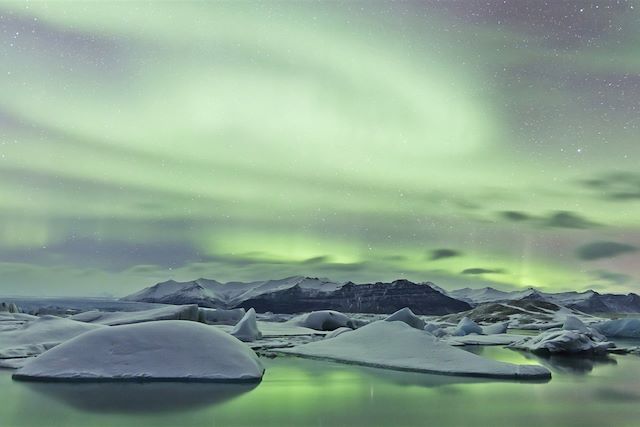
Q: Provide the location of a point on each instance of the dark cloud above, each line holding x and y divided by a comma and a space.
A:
619, 186
437, 254
107, 254
475, 271
317, 260
515, 216
559, 219
611, 277
565, 219
599, 250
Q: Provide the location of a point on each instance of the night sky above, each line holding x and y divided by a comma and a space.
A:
469, 143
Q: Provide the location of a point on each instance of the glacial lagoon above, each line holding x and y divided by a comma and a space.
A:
583, 392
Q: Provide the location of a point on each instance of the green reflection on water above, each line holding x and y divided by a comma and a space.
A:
297, 392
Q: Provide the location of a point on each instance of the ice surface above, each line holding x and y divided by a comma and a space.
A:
176, 312
164, 350
398, 346
407, 316
247, 328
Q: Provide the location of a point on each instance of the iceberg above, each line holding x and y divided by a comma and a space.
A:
466, 326
564, 341
407, 316
168, 350
323, 320
398, 346
247, 328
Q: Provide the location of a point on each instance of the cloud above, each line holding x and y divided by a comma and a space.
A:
611, 277
618, 186
599, 250
515, 216
565, 219
437, 254
475, 271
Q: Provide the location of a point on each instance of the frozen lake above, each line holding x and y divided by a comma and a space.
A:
297, 392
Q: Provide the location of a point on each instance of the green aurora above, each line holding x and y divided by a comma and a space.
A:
454, 142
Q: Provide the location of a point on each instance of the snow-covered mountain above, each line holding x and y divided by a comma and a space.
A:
588, 301
211, 293
299, 294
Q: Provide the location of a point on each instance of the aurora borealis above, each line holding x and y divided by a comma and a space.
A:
463, 142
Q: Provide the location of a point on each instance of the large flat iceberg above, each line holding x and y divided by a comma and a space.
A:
398, 346
169, 350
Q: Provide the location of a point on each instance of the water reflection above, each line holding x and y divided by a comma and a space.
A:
566, 364
141, 397
572, 364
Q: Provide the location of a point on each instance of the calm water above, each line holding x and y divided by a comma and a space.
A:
297, 392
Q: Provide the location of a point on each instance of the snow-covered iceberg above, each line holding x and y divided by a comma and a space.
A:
466, 326
167, 350
556, 341
247, 328
39, 335
114, 318
407, 316
323, 320
398, 346
623, 328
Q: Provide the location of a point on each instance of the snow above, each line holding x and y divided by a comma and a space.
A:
165, 350
623, 328
177, 312
496, 328
37, 336
564, 341
213, 316
323, 320
466, 326
247, 328
407, 316
398, 346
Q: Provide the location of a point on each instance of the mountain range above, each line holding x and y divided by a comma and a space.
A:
301, 294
